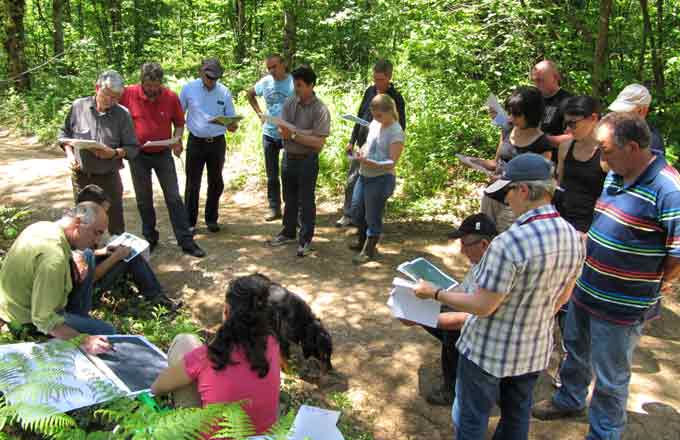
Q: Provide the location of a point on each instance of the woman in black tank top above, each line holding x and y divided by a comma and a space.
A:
580, 172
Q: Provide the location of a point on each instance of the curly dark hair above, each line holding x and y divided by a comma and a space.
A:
247, 326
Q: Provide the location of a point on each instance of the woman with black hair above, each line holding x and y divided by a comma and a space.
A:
580, 170
525, 109
241, 363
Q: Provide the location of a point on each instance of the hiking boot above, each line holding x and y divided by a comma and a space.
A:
440, 397
281, 240
369, 251
361, 241
193, 249
343, 222
547, 410
273, 214
304, 249
172, 305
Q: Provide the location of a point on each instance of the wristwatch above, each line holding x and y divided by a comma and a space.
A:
293, 135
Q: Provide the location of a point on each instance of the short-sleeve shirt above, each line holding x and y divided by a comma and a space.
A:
239, 382
275, 93
553, 118
509, 151
313, 116
201, 105
35, 279
531, 263
634, 228
377, 146
113, 128
153, 119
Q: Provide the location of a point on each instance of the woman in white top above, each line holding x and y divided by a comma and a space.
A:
377, 158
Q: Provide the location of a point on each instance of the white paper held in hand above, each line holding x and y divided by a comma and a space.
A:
316, 424
162, 143
406, 305
356, 120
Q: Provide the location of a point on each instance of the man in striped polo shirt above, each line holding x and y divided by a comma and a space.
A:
633, 252
525, 276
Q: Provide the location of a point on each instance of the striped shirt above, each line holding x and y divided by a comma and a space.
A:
531, 263
634, 228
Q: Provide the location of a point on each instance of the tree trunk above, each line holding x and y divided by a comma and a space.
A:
58, 26
289, 32
240, 34
658, 61
15, 42
646, 30
116, 14
601, 61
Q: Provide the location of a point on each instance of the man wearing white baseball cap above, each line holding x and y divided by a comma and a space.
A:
636, 98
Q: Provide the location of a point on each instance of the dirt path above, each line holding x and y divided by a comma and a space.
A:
384, 368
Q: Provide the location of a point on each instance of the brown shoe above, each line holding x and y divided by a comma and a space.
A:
547, 410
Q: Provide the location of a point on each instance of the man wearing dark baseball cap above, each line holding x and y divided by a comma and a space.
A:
475, 234
526, 275
212, 68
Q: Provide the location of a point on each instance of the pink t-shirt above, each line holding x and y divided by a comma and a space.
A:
239, 382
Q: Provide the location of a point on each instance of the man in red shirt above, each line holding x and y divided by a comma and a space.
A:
155, 110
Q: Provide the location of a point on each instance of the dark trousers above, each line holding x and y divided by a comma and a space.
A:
352, 177
204, 153
449, 358
271, 161
112, 186
164, 166
298, 176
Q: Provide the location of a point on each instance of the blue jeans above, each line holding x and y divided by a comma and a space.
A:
369, 200
271, 163
476, 394
77, 310
298, 176
607, 349
164, 166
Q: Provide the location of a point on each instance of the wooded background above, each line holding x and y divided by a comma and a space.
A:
448, 55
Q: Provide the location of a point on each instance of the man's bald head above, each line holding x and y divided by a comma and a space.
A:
546, 77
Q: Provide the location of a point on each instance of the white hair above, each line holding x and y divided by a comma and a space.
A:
86, 212
111, 80
538, 189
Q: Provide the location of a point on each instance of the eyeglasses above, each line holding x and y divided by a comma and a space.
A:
572, 124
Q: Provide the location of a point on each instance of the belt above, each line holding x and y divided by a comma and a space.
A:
297, 156
208, 140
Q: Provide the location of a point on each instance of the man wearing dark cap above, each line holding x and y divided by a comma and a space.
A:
523, 279
475, 234
203, 99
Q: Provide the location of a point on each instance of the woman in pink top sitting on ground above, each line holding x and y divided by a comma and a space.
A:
241, 363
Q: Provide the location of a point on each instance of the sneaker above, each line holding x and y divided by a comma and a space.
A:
343, 222
440, 397
304, 249
213, 227
273, 214
162, 300
281, 240
153, 244
547, 410
193, 249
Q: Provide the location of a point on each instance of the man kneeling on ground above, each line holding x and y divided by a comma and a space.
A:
36, 278
475, 234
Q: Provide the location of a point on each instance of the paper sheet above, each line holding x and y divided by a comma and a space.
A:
316, 424
406, 305
225, 120
420, 268
467, 161
137, 244
356, 120
501, 118
162, 143
279, 122
83, 144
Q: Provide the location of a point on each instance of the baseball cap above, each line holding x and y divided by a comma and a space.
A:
480, 224
523, 168
632, 96
212, 68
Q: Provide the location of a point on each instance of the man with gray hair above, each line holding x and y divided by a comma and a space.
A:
155, 110
99, 118
37, 278
524, 277
633, 251
637, 99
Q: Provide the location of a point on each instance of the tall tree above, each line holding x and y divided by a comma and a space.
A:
15, 42
601, 61
239, 25
58, 26
290, 12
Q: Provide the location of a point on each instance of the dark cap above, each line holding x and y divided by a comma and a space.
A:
480, 224
523, 168
212, 68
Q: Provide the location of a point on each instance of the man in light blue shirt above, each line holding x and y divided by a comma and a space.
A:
274, 88
203, 99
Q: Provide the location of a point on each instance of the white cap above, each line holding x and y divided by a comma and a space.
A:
631, 97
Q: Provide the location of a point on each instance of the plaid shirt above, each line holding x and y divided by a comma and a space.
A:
531, 263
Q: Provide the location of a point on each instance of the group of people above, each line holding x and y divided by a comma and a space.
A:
594, 254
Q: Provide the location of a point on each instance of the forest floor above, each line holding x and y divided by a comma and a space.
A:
384, 368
